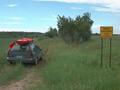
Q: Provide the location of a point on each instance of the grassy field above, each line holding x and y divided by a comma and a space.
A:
8, 73
67, 67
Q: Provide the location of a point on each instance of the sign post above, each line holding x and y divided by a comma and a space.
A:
101, 52
110, 52
106, 32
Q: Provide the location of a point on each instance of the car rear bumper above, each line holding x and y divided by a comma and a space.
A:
30, 60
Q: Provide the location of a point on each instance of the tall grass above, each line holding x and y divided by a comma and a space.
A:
8, 73
78, 68
68, 67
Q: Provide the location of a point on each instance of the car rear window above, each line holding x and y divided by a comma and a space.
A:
16, 47
20, 48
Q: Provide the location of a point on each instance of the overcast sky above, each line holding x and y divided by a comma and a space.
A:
38, 15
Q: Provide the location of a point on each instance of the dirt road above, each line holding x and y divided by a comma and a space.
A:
19, 85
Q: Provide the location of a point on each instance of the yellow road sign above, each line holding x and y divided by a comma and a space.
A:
106, 32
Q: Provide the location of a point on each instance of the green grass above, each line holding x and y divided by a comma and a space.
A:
77, 67
8, 73
68, 67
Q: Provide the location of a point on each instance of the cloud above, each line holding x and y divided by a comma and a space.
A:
111, 10
49, 0
16, 29
96, 28
12, 5
48, 19
54, 16
12, 21
113, 5
75, 8
16, 18
13, 29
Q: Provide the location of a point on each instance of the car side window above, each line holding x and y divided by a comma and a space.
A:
37, 49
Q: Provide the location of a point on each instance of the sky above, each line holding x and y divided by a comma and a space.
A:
39, 15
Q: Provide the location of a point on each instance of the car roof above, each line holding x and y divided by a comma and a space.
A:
22, 41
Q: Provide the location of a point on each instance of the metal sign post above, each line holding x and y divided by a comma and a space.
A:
110, 52
101, 52
106, 33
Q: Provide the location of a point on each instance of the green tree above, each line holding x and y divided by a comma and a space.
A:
52, 32
75, 30
66, 28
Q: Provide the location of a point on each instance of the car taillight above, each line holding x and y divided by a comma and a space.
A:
12, 44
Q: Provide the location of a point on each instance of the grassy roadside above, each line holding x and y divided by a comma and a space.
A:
78, 68
67, 67
11, 73
8, 73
